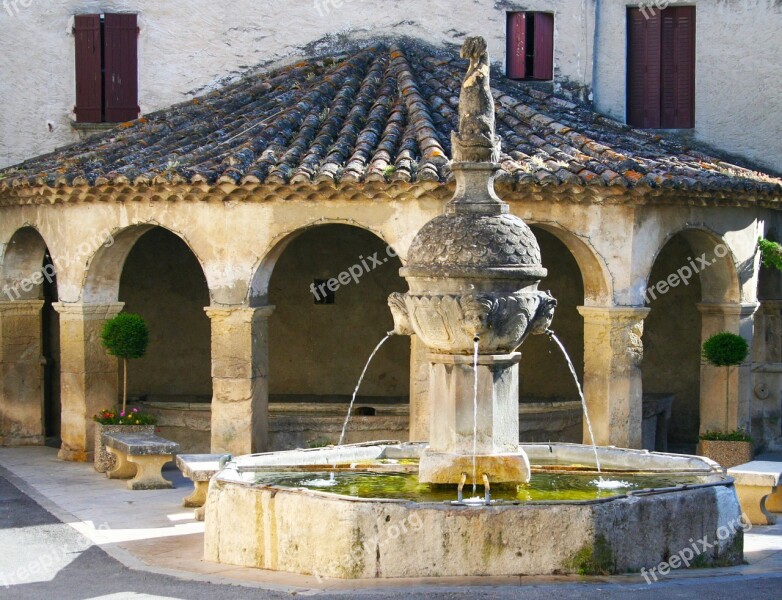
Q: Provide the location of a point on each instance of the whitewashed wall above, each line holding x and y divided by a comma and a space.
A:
738, 73
188, 46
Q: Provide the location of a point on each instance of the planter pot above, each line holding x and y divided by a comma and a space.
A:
103, 460
727, 454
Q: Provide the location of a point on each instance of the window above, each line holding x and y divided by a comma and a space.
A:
106, 68
530, 45
323, 294
661, 68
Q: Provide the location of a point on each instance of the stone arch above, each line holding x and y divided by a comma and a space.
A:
29, 376
104, 269
23, 260
720, 283
598, 285
262, 273
318, 344
692, 283
154, 272
548, 396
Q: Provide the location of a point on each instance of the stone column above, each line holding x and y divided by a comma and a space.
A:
88, 375
240, 379
612, 376
420, 409
21, 373
766, 426
736, 318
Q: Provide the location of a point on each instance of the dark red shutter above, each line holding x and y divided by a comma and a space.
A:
120, 60
643, 69
543, 61
517, 45
89, 92
678, 67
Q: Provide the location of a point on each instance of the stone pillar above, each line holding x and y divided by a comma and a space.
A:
736, 318
454, 425
240, 379
612, 376
766, 426
21, 373
420, 409
88, 375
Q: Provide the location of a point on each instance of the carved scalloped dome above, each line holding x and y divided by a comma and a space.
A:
475, 240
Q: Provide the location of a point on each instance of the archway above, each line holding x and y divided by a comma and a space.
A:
325, 324
550, 405
30, 409
162, 280
694, 266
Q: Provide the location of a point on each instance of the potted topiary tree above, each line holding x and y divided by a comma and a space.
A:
125, 336
726, 447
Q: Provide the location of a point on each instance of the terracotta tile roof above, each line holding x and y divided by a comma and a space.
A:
380, 114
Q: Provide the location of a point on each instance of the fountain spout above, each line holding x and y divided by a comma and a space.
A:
487, 490
460, 489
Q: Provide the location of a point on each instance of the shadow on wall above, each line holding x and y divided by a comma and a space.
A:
319, 348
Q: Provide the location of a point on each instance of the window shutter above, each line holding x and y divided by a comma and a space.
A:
89, 92
678, 67
543, 61
517, 45
643, 69
120, 59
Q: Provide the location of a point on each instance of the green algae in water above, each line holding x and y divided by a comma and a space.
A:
405, 486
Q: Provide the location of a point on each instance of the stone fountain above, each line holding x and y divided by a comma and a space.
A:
473, 275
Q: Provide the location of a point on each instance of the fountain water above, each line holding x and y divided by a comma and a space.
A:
358, 385
569, 362
475, 417
473, 274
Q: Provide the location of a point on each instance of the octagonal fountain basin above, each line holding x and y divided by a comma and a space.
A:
369, 517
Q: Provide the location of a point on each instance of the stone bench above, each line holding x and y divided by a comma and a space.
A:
757, 486
200, 468
140, 456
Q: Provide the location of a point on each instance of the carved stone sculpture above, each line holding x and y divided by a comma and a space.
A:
473, 274
476, 140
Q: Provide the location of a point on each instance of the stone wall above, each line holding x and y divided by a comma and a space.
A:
308, 425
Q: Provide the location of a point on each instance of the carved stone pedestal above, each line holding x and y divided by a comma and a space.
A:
452, 437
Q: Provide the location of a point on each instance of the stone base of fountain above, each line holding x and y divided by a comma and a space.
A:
448, 468
318, 533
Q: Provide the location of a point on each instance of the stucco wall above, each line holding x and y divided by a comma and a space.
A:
738, 74
188, 46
